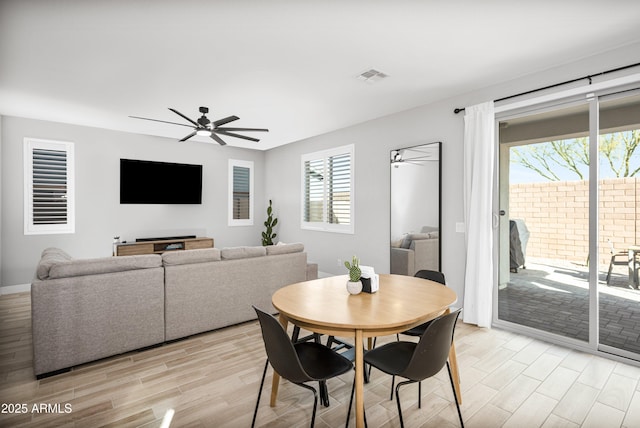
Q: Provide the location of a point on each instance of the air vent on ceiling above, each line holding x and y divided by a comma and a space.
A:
372, 76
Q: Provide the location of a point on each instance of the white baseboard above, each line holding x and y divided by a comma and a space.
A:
11, 289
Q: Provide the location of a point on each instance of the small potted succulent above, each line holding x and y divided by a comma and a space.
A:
354, 285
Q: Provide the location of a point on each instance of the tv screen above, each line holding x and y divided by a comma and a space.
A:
147, 182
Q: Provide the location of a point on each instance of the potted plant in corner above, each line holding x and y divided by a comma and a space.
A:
270, 223
354, 285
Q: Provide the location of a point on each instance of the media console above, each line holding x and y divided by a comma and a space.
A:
161, 245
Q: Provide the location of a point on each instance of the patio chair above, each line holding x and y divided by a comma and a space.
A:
615, 260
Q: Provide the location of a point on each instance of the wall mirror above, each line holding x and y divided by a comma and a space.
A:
415, 208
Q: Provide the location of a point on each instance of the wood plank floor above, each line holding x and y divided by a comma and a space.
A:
211, 380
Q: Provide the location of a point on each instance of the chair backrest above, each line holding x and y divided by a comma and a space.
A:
280, 350
432, 350
432, 275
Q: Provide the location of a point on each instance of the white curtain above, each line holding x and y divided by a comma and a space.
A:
479, 155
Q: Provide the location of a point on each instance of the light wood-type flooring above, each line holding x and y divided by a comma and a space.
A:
211, 380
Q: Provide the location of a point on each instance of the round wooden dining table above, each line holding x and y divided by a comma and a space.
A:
325, 306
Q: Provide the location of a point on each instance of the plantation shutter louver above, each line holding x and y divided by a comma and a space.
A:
314, 191
339, 189
328, 190
241, 181
49, 187
240, 202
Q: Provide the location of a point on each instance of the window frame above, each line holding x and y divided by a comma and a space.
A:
241, 164
30, 145
325, 225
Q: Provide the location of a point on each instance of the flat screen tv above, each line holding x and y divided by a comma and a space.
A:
148, 182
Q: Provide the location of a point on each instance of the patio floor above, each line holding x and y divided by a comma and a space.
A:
553, 296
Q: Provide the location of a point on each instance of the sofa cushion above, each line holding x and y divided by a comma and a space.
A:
50, 256
233, 253
71, 268
285, 248
186, 257
410, 237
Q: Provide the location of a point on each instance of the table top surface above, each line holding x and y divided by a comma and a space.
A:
401, 301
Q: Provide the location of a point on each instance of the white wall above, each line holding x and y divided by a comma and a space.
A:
373, 140
99, 215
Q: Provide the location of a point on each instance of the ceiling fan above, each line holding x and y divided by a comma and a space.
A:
204, 127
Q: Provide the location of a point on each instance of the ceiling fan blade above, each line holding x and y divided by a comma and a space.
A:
231, 134
163, 121
188, 136
244, 129
183, 116
218, 139
225, 120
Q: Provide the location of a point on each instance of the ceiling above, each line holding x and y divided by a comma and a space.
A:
289, 65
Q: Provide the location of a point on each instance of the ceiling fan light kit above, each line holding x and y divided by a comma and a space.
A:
204, 127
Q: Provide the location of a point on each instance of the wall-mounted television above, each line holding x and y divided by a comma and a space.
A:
149, 182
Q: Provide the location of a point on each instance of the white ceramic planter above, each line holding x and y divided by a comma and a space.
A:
354, 287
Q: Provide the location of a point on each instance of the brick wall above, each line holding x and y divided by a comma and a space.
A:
556, 214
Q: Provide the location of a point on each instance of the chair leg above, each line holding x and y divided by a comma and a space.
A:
324, 393
295, 336
255, 413
455, 396
393, 381
609, 272
419, 395
398, 400
315, 402
353, 390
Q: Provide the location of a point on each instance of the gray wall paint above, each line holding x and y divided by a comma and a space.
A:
99, 215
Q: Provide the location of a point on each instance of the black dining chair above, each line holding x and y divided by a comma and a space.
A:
432, 275
299, 363
343, 348
418, 361
418, 331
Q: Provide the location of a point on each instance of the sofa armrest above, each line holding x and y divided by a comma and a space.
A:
426, 254
402, 261
312, 271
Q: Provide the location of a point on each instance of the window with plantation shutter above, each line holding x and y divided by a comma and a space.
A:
328, 195
240, 193
49, 187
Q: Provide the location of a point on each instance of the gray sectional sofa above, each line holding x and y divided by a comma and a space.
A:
415, 252
87, 309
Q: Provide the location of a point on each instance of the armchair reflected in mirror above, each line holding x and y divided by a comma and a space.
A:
416, 177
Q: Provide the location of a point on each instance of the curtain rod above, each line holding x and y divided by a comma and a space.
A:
589, 77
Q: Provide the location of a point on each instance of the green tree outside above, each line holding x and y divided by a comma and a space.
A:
618, 152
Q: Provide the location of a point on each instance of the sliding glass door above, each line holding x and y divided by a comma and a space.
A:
619, 221
569, 223
544, 229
